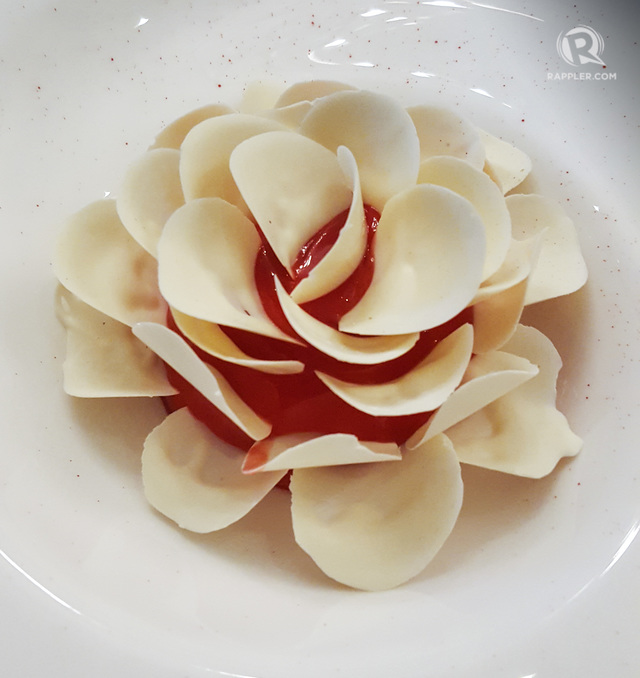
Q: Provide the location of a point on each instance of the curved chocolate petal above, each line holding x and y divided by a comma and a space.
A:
293, 187
210, 338
206, 259
310, 90
262, 99
289, 116
375, 526
174, 134
104, 359
306, 450
379, 133
488, 377
483, 194
175, 351
498, 304
522, 432
430, 252
442, 132
205, 153
508, 164
344, 347
560, 268
347, 252
517, 267
97, 260
496, 317
195, 479
422, 389
150, 194
259, 96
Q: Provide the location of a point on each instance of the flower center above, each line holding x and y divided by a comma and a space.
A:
301, 402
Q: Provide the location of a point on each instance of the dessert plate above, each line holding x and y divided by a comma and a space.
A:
540, 578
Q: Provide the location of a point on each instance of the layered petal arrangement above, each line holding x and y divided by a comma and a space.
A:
326, 292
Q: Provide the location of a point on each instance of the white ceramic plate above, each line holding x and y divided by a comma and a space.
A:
540, 578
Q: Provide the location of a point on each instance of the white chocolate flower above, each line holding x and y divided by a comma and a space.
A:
328, 290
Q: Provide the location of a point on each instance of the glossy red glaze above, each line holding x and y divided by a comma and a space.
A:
301, 402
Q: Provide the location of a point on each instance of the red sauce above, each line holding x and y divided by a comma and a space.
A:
301, 402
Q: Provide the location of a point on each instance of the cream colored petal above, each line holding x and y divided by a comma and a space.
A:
289, 116
560, 268
496, 317
260, 95
375, 526
522, 432
206, 259
205, 153
262, 99
483, 194
517, 266
210, 338
508, 164
293, 187
489, 171
429, 258
175, 351
422, 389
97, 260
442, 132
104, 359
379, 133
346, 254
498, 304
149, 195
305, 450
173, 134
488, 377
195, 479
344, 347
310, 90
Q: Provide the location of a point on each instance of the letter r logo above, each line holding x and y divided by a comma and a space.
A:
580, 46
